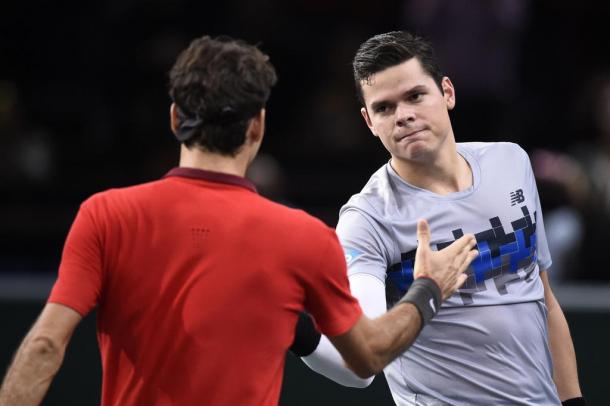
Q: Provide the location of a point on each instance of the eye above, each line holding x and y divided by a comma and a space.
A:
381, 109
415, 97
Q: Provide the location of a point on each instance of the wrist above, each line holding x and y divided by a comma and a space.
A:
426, 296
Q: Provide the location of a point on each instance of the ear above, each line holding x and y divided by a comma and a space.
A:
367, 119
448, 93
173, 118
256, 128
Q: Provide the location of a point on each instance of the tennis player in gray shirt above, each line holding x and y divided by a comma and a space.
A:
501, 339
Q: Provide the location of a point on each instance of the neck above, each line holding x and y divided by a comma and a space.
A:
200, 159
448, 172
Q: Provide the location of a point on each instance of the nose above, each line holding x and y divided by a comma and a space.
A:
405, 115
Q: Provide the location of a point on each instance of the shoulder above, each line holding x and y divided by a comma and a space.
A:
373, 197
123, 194
287, 224
374, 211
124, 202
492, 148
295, 232
502, 156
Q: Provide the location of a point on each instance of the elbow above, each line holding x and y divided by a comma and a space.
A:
45, 352
371, 362
44, 347
363, 373
367, 370
552, 305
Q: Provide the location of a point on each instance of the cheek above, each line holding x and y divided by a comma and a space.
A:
381, 128
444, 119
385, 136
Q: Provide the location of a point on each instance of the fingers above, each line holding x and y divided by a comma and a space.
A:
458, 278
423, 233
462, 261
463, 258
460, 281
471, 256
467, 258
467, 241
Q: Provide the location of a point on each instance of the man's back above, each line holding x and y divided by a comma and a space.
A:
199, 282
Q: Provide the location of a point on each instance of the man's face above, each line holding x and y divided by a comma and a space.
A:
408, 112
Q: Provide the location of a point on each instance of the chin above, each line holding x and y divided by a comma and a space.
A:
417, 153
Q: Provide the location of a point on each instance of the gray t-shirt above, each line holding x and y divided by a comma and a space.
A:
488, 344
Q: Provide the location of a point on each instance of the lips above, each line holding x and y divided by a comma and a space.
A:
412, 133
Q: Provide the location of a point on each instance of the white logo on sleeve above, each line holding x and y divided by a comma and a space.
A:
351, 254
432, 305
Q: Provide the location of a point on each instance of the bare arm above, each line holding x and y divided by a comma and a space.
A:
565, 373
39, 356
373, 343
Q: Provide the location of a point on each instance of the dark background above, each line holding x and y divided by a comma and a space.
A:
84, 107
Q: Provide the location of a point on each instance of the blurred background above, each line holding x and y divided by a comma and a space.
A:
84, 107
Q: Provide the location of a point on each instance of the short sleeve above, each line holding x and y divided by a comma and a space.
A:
362, 244
543, 253
79, 281
328, 296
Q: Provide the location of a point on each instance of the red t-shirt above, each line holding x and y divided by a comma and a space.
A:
199, 282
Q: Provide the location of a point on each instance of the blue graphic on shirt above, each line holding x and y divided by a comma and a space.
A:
500, 258
351, 254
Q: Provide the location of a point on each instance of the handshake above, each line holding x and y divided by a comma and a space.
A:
373, 343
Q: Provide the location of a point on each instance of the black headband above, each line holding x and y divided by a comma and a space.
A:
189, 124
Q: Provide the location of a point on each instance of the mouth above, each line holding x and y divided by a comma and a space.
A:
409, 135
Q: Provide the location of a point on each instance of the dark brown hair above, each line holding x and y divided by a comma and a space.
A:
390, 49
218, 85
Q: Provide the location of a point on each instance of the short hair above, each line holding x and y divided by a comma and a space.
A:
390, 49
218, 85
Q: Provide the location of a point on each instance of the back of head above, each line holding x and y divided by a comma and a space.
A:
218, 85
390, 49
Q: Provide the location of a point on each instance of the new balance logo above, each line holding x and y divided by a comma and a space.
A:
516, 197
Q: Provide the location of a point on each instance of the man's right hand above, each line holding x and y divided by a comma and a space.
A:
445, 267
371, 344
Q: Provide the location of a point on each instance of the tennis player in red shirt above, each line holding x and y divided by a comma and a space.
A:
198, 280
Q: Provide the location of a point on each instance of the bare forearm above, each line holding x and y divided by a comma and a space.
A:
394, 332
27, 380
565, 372
373, 343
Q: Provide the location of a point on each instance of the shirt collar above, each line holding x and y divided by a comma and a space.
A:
211, 176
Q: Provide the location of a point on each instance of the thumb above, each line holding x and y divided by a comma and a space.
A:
423, 233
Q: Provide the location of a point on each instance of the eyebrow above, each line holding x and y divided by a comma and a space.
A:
413, 90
